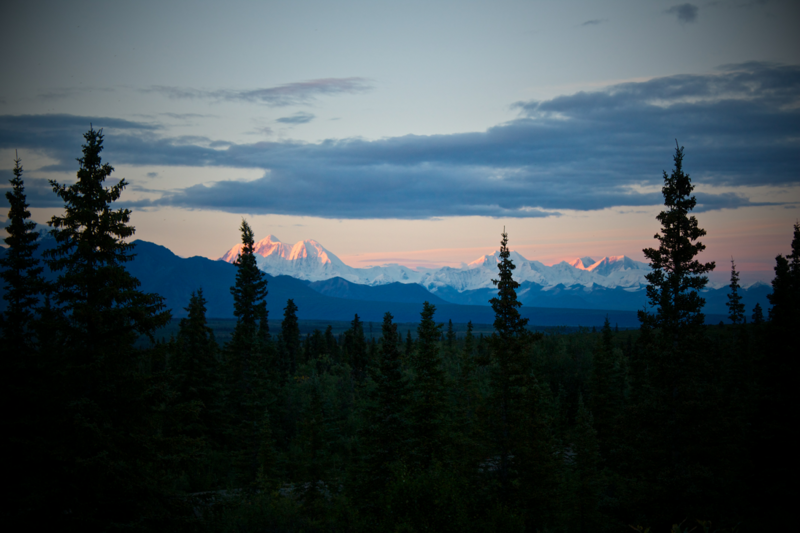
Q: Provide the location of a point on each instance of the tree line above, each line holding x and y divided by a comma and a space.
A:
676, 426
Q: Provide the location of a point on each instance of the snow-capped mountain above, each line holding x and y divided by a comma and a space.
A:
309, 260
611, 272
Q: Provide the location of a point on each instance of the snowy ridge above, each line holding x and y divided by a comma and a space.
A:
309, 260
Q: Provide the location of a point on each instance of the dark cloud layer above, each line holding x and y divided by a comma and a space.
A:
283, 95
684, 12
590, 150
297, 118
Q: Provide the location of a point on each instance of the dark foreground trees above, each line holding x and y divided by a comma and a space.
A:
775, 418
97, 457
569, 431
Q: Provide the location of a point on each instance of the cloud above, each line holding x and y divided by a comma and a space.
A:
68, 92
185, 116
712, 202
684, 12
283, 95
298, 118
262, 130
594, 22
586, 151
60, 136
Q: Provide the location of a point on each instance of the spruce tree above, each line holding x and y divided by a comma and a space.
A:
109, 452
511, 370
331, 345
386, 430
356, 346
23, 368
20, 271
758, 314
607, 387
314, 440
779, 367
428, 407
450, 337
196, 370
677, 276
586, 474
677, 414
465, 400
785, 311
290, 330
250, 291
246, 362
735, 305
100, 296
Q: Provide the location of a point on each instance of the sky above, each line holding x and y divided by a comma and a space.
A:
414, 132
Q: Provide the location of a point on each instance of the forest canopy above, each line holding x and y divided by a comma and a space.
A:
678, 424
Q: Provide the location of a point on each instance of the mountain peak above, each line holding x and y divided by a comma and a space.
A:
269, 239
581, 263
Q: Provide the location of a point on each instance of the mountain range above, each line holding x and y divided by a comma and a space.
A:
337, 298
309, 260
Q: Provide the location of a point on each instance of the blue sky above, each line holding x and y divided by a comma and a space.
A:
413, 131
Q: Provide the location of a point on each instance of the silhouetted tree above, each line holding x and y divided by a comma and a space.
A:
510, 372
677, 276
428, 406
679, 366
386, 430
250, 291
735, 305
290, 330
356, 346
111, 459
22, 365
608, 388
779, 369
586, 474
450, 336
21, 272
246, 362
196, 370
758, 314
785, 297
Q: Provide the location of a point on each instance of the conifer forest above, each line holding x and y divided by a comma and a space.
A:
676, 426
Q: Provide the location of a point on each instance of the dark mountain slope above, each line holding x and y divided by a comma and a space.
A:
391, 292
162, 272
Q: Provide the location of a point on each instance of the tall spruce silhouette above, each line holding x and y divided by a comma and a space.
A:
246, 361
290, 331
677, 277
22, 277
511, 368
20, 271
196, 369
386, 430
427, 413
679, 364
106, 449
734, 303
